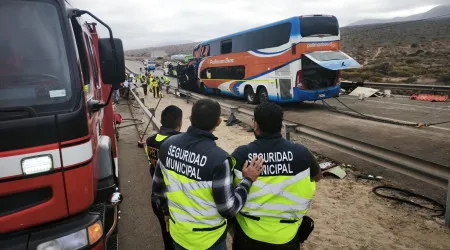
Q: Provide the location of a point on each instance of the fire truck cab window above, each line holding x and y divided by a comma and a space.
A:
34, 65
84, 62
93, 61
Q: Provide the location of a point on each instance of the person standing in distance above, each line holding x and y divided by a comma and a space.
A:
274, 215
171, 120
193, 182
154, 84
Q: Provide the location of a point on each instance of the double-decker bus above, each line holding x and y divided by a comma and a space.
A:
293, 60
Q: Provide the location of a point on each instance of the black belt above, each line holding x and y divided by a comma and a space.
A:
259, 218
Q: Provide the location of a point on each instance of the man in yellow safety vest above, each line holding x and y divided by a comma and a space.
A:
193, 182
171, 120
274, 215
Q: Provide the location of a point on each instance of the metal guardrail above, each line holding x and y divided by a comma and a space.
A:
419, 87
435, 174
155, 122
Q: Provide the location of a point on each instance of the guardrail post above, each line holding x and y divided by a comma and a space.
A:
288, 129
232, 117
447, 210
234, 110
188, 96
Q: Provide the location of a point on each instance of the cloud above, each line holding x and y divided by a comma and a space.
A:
145, 23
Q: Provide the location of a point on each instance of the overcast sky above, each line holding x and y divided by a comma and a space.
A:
144, 23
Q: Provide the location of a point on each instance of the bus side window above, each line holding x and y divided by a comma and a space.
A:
226, 46
226, 72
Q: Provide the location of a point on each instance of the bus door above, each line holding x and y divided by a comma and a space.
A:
284, 88
283, 83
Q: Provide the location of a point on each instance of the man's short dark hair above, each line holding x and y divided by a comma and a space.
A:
171, 117
205, 114
269, 117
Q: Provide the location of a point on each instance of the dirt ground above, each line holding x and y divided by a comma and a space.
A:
347, 214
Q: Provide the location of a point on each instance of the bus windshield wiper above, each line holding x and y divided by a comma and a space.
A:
11, 113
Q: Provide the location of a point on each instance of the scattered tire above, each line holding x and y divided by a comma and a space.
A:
263, 95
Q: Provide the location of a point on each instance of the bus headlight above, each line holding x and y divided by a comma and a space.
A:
72, 241
37, 164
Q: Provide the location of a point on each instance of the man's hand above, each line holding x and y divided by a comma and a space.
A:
253, 169
166, 219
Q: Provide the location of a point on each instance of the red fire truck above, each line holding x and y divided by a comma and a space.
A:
59, 185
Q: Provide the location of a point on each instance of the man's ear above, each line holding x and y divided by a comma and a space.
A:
219, 121
179, 126
256, 127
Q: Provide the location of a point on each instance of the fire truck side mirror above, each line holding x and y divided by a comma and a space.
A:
112, 61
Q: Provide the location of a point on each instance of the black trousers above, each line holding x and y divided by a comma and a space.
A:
156, 92
168, 241
145, 87
242, 242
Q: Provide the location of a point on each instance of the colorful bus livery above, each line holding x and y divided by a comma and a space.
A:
297, 59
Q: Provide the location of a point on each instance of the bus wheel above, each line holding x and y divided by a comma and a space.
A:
263, 96
202, 89
250, 96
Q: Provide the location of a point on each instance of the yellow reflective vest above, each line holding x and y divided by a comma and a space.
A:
281, 195
195, 222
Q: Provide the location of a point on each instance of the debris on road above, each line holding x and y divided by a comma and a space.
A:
336, 171
430, 98
331, 168
369, 177
363, 92
326, 165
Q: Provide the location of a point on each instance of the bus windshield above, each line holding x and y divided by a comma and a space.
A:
319, 26
34, 69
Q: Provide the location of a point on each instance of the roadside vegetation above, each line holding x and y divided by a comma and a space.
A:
417, 52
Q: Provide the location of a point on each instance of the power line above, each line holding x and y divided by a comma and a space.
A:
398, 24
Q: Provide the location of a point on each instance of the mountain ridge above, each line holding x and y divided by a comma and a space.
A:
435, 12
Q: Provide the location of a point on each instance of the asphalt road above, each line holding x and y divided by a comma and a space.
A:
138, 227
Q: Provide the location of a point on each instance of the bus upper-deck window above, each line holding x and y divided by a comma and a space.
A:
205, 50
318, 26
226, 47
